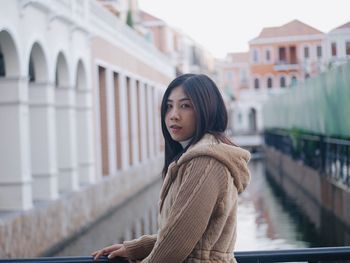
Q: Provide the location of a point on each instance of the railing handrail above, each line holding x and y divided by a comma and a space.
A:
337, 141
295, 255
313, 137
73, 259
287, 255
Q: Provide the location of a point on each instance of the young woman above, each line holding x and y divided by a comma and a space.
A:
203, 174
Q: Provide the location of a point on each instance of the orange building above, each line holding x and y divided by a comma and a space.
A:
285, 55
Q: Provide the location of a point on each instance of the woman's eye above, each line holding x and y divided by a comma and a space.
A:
185, 106
169, 106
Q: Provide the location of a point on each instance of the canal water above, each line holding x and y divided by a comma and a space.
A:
266, 220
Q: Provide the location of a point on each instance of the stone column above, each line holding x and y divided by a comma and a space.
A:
156, 122
138, 231
245, 119
134, 124
146, 223
111, 122
127, 233
143, 126
66, 139
123, 121
43, 141
86, 158
150, 120
15, 176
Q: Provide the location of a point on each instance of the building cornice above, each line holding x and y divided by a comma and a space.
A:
274, 40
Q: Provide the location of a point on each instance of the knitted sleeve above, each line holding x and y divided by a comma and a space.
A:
141, 247
192, 208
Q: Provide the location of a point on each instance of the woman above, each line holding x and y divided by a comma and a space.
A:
203, 174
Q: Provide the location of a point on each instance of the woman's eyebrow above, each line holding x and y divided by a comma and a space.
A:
182, 99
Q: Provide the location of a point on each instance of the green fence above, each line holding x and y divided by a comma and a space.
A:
321, 105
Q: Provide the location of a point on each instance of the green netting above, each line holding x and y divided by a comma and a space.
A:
321, 105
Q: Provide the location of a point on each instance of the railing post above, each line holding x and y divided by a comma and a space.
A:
348, 165
323, 153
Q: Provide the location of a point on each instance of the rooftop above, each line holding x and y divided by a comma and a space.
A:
293, 28
344, 26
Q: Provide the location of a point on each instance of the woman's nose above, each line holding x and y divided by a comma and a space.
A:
174, 114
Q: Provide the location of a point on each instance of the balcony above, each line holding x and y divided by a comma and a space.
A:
284, 65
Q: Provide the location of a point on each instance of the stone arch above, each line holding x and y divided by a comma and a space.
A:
293, 80
83, 124
269, 81
65, 126
252, 120
256, 83
283, 81
41, 124
61, 71
37, 64
80, 76
14, 127
9, 60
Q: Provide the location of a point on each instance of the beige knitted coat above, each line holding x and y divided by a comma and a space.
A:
197, 219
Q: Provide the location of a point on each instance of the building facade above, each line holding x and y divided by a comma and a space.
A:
283, 56
280, 58
232, 75
187, 55
337, 45
79, 112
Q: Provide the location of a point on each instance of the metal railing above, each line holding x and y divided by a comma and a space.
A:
289, 255
329, 156
295, 255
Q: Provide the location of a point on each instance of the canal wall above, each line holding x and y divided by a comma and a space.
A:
34, 232
325, 204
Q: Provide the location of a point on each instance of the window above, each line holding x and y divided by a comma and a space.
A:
307, 75
56, 78
347, 48
269, 83
255, 56
283, 82
268, 55
282, 54
2, 64
293, 55
256, 83
306, 52
294, 81
319, 51
334, 49
31, 70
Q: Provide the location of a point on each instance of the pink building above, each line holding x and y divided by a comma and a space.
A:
285, 55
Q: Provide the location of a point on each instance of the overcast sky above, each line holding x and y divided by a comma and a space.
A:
224, 26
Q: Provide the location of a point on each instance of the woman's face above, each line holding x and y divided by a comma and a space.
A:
180, 116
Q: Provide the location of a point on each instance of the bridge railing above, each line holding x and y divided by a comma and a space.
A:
290, 255
330, 156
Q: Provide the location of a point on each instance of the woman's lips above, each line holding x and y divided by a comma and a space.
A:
175, 128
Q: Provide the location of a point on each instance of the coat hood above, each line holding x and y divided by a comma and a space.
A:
233, 157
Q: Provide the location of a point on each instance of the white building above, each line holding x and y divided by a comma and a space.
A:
337, 43
79, 115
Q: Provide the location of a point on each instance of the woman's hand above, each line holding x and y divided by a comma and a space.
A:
116, 250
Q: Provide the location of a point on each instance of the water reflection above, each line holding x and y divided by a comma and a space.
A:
129, 221
265, 220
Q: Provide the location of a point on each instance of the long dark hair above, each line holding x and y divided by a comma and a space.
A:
210, 112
